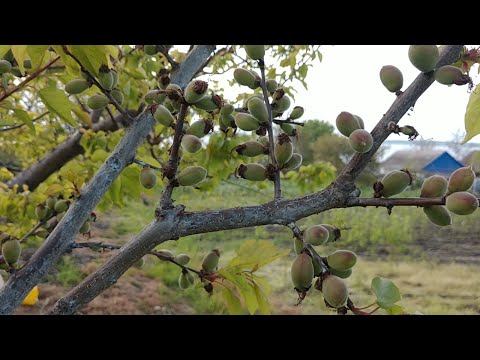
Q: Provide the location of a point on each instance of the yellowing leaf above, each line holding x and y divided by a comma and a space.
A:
472, 116
32, 297
57, 102
4, 49
263, 305
244, 288
54, 189
20, 53
234, 306
91, 56
82, 115
23, 115
37, 53
71, 65
253, 254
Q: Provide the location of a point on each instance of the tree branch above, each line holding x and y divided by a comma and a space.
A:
390, 203
28, 79
23, 124
62, 237
165, 53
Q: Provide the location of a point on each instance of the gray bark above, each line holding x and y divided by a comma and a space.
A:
62, 237
174, 223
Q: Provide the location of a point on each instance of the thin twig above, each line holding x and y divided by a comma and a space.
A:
389, 203
36, 227
165, 53
20, 125
276, 181
143, 163
152, 152
279, 122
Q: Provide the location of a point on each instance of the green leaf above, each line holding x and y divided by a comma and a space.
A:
472, 116
23, 115
4, 49
91, 56
386, 291
244, 288
396, 310
72, 67
20, 53
57, 102
263, 305
54, 189
302, 70
234, 306
37, 53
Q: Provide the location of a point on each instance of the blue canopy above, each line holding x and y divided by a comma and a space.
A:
443, 164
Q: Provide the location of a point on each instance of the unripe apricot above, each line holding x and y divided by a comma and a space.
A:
118, 96
147, 177
360, 122
294, 162
227, 121
140, 263
251, 149
150, 49
182, 259
316, 235
191, 143
288, 129
391, 78
423, 57
333, 232
283, 149
246, 122
41, 211
347, 123
258, 109
255, 52
60, 216
302, 272
342, 259
183, 281
209, 103
434, 186
317, 269
227, 109
297, 113
105, 78
115, 78
77, 86
395, 182
342, 274
195, 90
200, 128
461, 203
166, 253
51, 202
154, 97
263, 140
245, 78
60, 206
11, 251
360, 140
282, 104
210, 261
191, 175
97, 102
85, 228
461, 179
335, 291
448, 74
252, 172
438, 215
5, 66
271, 85
163, 116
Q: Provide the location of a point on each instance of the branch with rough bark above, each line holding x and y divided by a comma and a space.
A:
62, 237
175, 223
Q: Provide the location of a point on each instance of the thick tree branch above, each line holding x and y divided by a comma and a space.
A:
28, 79
176, 223
62, 237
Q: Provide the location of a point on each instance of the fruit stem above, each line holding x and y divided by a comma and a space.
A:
276, 181
366, 307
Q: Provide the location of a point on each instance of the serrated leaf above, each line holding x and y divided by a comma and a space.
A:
54, 189
37, 53
472, 116
20, 53
4, 49
234, 306
57, 102
386, 291
91, 56
23, 115
244, 288
262, 300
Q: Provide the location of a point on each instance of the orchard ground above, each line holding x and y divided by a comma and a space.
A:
433, 267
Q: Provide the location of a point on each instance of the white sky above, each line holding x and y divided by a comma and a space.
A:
348, 79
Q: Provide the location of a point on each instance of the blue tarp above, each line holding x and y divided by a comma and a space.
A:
443, 164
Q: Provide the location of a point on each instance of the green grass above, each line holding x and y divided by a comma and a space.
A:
67, 272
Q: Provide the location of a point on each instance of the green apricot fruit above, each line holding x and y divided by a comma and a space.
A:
172, 105
150, 49
163, 116
316, 235
191, 175
210, 261
283, 149
251, 149
5, 66
297, 246
195, 91
342, 274
342, 259
258, 109
391, 78
246, 122
191, 144
182, 259
9, 56
448, 74
434, 186
302, 272
97, 102
209, 103
461, 179
115, 78
227, 121
60, 206
423, 57
42, 233
360, 122
297, 113
85, 227
200, 128
84, 75
227, 109
183, 281
252, 172
105, 78
271, 85
245, 78
41, 211
77, 86
335, 291
395, 182
255, 52
282, 104
165, 253
11, 251
263, 140
288, 129
360, 140
294, 162
347, 123
140, 263
191, 278
51, 202
147, 177
258, 79
333, 232
60, 216
118, 96
462, 203
438, 215
154, 97
317, 269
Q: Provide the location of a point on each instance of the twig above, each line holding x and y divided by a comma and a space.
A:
152, 152
36, 227
276, 181
143, 163
389, 203
279, 122
28, 79
20, 125
165, 53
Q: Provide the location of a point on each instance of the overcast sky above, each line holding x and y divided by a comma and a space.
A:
348, 79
